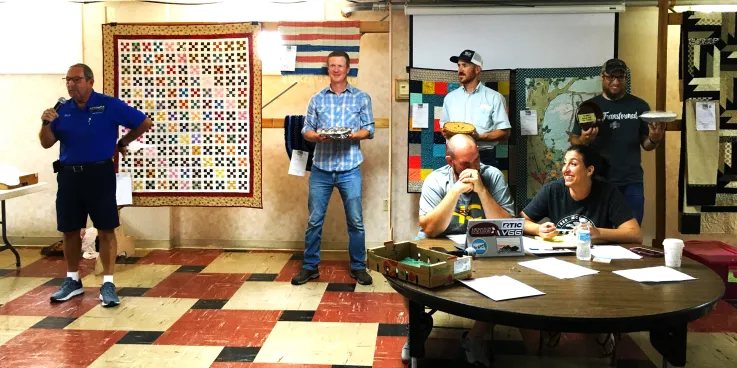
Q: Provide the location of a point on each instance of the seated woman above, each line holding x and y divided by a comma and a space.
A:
580, 196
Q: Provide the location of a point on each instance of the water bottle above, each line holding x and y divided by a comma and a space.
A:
583, 247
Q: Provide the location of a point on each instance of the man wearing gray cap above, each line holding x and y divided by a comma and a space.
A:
476, 104
621, 135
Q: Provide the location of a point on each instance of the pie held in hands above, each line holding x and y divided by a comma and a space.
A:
459, 128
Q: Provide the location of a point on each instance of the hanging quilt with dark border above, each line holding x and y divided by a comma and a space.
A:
426, 148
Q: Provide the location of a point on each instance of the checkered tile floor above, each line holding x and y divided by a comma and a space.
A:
212, 308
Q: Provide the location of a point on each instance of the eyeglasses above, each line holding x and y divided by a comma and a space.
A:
611, 78
74, 80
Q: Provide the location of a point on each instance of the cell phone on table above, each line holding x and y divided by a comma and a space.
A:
647, 252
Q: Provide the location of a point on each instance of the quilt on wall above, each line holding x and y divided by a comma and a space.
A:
555, 95
707, 186
426, 148
201, 86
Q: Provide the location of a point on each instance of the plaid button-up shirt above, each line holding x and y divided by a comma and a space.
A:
351, 109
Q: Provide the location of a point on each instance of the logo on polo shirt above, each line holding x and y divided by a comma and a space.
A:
97, 109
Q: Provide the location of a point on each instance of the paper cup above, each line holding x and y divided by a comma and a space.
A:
673, 251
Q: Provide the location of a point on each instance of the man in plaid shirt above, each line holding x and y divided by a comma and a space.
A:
337, 163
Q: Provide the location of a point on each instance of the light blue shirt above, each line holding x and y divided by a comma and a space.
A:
484, 108
351, 109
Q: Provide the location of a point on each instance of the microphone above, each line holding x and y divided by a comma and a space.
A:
59, 102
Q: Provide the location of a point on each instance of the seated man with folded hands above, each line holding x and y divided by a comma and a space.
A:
451, 195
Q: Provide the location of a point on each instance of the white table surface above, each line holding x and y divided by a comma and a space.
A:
18, 192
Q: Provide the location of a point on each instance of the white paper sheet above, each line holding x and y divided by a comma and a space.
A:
613, 252
288, 58
124, 189
557, 268
438, 112
654, 274
706, 116
458, 238
540, 247
298, 164
528, 122
502, 288
420, 115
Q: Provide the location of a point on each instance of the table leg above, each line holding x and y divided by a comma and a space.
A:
670, 342
416, 343
6, 243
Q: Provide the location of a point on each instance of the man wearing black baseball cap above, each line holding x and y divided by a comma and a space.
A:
476, 104
621, 135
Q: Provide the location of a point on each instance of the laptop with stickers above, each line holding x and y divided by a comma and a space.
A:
496, 237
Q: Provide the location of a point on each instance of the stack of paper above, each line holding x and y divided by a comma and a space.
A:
459, 239
613, 252
541, 247
502, 288
654, 274
557, 268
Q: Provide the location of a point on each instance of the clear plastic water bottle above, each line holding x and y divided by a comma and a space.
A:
583, 247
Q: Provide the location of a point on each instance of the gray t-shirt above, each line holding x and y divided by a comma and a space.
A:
438, 184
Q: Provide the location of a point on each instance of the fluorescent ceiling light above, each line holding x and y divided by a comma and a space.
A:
475, 10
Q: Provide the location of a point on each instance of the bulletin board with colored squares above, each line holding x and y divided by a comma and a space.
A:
426, 146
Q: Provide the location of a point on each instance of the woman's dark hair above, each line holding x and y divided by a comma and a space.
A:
591, 157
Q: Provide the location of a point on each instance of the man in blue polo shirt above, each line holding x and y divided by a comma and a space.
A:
476, 104
87, 128
337, 163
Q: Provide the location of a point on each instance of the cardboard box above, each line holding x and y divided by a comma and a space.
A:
26, 179
444, 268
126, 245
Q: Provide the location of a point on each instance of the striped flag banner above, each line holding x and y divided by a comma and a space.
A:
315, 40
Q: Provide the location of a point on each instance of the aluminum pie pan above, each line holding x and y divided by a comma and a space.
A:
335, 132
658, 116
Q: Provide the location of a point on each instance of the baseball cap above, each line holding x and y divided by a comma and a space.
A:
468, 56
613, 65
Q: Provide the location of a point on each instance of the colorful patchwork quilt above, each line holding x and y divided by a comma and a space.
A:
708, 167
201, 86
426, 149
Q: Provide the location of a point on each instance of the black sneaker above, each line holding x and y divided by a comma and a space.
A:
305, 275
425, 329
362, 276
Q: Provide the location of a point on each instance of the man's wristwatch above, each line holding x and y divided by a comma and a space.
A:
121, 145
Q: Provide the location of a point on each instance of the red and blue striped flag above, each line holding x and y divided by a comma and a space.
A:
315, 40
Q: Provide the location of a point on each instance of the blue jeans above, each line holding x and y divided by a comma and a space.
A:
321, 188
634, 195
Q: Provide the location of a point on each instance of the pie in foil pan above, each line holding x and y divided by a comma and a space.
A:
658, 116
335, 132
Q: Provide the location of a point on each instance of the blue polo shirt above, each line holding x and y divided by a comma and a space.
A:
91, 134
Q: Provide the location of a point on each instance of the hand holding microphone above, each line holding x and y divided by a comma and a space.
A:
50, 115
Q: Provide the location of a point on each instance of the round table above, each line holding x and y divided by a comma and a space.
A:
600, 303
